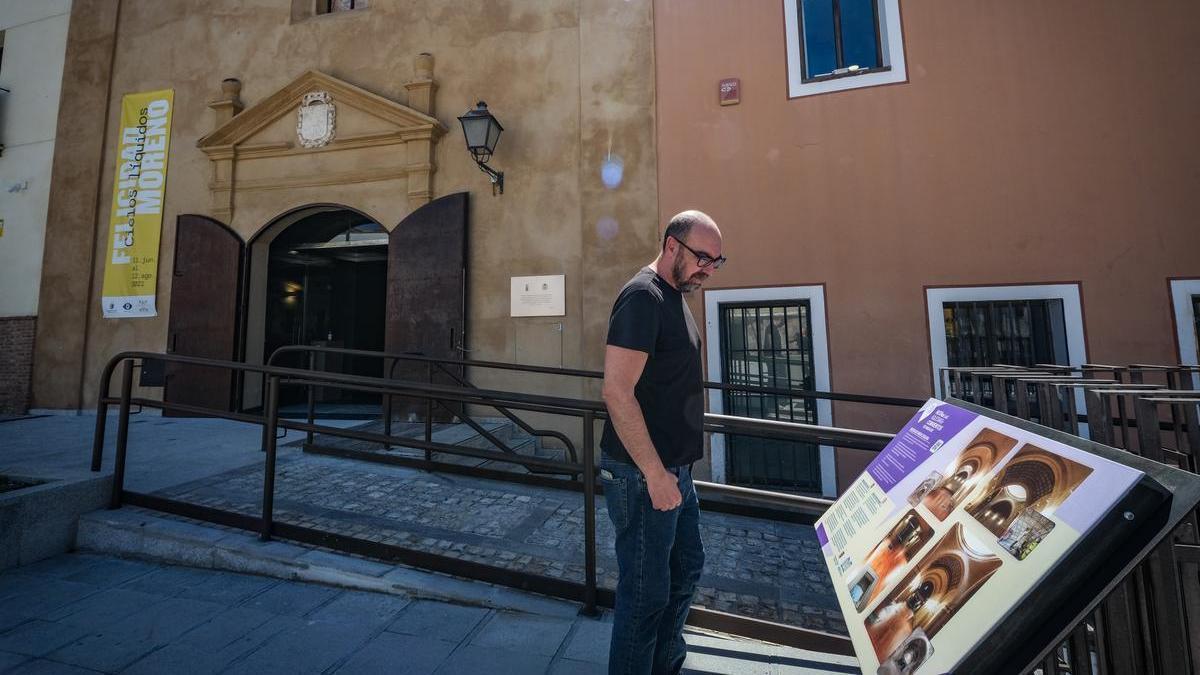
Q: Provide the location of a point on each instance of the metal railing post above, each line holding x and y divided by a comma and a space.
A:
389, 365
312, 398
118, 484
589, 515
101, 422
429, 414
270, 420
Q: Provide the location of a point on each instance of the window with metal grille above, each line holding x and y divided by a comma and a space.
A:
840, 37
1009, 332
769, 345
331, 6
1196, 318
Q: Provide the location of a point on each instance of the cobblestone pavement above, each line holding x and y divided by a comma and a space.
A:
754, 567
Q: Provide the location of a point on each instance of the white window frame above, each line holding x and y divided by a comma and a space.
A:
815, 295
1069, 294
1182, 291
891, 41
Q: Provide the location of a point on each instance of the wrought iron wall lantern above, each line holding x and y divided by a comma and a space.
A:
482, 131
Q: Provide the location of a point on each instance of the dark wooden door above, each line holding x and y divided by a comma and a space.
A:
205, 292
427, 283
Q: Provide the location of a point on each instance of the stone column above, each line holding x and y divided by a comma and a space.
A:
224, 108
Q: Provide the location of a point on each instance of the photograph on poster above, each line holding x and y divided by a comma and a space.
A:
1034, 480
965, 475
909, 656
925, 488
929, 597
885, 560
1025, 533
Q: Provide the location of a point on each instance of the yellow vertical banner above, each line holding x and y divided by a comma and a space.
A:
135, 226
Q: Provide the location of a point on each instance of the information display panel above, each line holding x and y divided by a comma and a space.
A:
951, 528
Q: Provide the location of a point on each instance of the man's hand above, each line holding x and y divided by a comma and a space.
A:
664, 490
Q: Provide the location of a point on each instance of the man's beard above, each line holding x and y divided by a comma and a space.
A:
688, 284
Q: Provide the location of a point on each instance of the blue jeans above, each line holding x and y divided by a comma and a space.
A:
660, 557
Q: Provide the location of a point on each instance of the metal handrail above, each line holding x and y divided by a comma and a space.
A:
396, 358
387, 400
586, 410
595, 374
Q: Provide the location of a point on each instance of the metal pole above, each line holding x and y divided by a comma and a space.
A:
429, 414
312, 397
589, 515
269, 423
98, 436
122, 435
387, 404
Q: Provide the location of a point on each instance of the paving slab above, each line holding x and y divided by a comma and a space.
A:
107, 606
395, 654
572, 667
440, 620
38, 638
102, 652
109, 572
224, 629
44, 597
523, 633
290, 598
311, 648
180, 658
368, 608
166, 620
590, 641
47, 667
475, 659
228, 588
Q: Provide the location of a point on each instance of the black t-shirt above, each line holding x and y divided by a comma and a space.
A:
651, 316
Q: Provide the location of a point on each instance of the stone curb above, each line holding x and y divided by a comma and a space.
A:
139, 534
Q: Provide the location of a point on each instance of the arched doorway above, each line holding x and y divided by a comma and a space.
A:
319, 277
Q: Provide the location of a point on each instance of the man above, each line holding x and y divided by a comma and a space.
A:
653, 389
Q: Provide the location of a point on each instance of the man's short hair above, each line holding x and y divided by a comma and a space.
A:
682, 224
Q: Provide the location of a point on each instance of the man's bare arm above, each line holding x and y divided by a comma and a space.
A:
622, 368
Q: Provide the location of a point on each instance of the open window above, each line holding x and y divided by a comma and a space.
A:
834, 45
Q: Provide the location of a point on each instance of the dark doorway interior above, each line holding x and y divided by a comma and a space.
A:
326, 286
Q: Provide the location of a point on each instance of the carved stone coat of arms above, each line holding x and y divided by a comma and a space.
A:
317, 115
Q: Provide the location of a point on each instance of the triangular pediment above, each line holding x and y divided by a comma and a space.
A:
246, 127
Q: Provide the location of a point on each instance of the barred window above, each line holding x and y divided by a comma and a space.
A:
1010, 332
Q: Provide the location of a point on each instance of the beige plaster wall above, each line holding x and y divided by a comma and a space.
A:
1033, 143
568, 79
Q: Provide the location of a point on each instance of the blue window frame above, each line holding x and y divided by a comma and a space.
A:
840, 38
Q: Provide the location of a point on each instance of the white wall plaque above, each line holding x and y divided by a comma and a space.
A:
539, 296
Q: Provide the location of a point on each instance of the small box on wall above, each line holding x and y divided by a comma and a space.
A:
729, 91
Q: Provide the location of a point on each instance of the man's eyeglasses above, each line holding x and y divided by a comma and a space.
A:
703, 259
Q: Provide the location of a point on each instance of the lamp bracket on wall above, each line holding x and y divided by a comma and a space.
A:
482, 130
